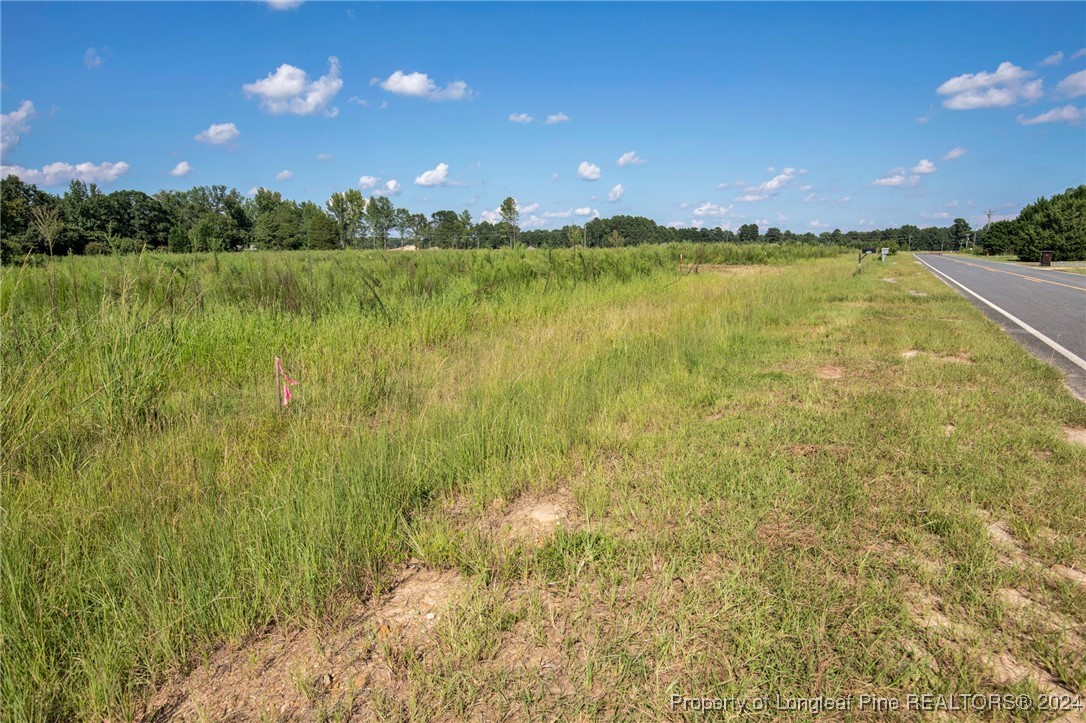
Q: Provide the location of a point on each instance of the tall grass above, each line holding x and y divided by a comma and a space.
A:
157, 502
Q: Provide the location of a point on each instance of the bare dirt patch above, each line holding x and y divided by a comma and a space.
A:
956, 359
830, 371
1016, 553
914, 292
534, 517
948, 429
910, 353
783, 531
1075, 435
290, 674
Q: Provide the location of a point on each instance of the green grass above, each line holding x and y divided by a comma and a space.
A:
746, 525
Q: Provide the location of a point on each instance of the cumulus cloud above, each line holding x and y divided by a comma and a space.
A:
284, 175
558, 117
586, 211
954, 153
938, 215
711, 209
1078, 54
420, 85
283, 4
368, 182
588, 171
1066, 114
809, 197
57, 173
769, 188
181, 169
676, 224
92, 59
520, 118
616, 193
815, 223
1072, 86
1008, 85
218, 133
558, 214
925, 166
897, 179
723, 185
436, 177
289, 90
391, 188
629, 158
1054, 59
530, 208
14, 124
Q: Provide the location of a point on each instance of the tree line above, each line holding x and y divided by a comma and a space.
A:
86, 220
1056, 224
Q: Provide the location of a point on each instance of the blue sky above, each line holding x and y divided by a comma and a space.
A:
808, 116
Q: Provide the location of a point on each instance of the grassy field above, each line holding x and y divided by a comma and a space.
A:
525, 484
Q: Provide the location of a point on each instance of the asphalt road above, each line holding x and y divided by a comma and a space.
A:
1048, 307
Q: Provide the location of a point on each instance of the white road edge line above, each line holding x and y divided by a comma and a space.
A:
1070, 355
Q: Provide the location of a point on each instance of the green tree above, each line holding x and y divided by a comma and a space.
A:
773, 235
511, 218
348, 209
380, 215
959, 230
575, 234
748, 233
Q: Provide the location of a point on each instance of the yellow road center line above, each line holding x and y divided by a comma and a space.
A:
1022, 276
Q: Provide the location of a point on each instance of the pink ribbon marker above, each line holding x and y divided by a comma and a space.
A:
287, 381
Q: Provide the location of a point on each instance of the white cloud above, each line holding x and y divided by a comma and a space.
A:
815, 223
588, 171
769, 188
92, 59
218, 133
359, 101
558, 117
181, 169
252, 191
676, 224
616, 193
1008, 85
586, 211
952, 204
284, 175
805, 187
14, 124
57, 173
1073, 85
1078, 54
922, 119
1054, 59
711, 209
897, 179
289, 90
437, 177
391, 188
846, 199
325, 156
925, 166
491, 216
723, 185
368, 182
555, 176
1066, 114
420, 85
697, 223
530, 208
520, 118
954, 153
283, 4
629, 158
938, 215
558, 214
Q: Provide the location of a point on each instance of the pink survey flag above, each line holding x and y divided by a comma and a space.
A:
287, 381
